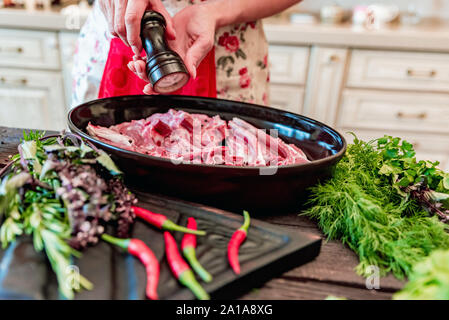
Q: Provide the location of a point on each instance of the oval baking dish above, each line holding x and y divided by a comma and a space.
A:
228, 187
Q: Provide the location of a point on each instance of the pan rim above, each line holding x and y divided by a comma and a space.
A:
312, 163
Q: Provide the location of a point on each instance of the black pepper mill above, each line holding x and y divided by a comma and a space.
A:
165, 68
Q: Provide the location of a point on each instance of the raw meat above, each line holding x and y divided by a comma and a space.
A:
198, 138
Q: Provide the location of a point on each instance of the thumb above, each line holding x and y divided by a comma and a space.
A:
196, 53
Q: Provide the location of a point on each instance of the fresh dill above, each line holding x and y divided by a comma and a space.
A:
367, 206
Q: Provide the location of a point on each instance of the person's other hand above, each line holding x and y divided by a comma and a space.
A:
124, 18
195, 29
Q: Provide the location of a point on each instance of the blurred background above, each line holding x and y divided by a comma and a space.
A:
368, 67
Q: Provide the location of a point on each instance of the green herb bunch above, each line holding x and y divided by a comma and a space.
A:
31, 205
429, 279
364, 206
420, 180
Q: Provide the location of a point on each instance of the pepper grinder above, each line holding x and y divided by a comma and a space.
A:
165, 68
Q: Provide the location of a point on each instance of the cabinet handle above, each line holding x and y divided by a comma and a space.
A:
402, 115
332, 59
424, 74
22, 81
11, 49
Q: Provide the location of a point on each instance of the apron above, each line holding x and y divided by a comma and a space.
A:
118, 80
241, 65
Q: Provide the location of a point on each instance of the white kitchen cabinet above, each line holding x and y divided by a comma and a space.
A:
68, 42
288, 75
418, 71
324, 83
32, 99
288, 98
288, 64
405, 111
29, 49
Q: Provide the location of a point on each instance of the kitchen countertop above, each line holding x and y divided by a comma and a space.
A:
40, 20
429, 35
331, 273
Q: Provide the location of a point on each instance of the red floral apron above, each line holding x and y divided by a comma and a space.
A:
118, 80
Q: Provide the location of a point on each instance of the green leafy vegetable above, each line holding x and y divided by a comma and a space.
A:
365, 206
420, 180
429, 279
33, 202
107, 162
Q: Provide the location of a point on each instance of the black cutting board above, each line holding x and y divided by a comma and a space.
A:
268, 251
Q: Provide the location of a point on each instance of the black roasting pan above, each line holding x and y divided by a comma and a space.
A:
226, 187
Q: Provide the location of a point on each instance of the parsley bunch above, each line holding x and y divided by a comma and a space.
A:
420, 180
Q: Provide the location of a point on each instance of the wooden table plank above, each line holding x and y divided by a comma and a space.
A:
9, 138
288, 289
336, 262
331, 273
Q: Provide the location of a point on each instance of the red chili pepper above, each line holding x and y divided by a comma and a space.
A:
188, 246
181, 269
140, 250
162, 222
234, 244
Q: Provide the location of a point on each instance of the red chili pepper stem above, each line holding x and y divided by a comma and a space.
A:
188, 246
162, 222
189, 254
140, 250
170, 225
122, 243
234, 244
181, 269
187, 278
246, 222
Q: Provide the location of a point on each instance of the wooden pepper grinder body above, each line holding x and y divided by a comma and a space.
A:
165, 68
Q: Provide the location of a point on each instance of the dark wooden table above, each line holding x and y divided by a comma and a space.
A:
331, 273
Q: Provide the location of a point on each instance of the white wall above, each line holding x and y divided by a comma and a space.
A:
438, 8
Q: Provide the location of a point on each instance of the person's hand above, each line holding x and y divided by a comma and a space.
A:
195, 29
124, 18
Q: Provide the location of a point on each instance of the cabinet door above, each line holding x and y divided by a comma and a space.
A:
288, 64
31, 99
399, 70
68, 41
324, 84
288, 98
411, 111
28, 49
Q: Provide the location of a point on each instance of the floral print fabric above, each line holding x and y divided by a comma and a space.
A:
241, 54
